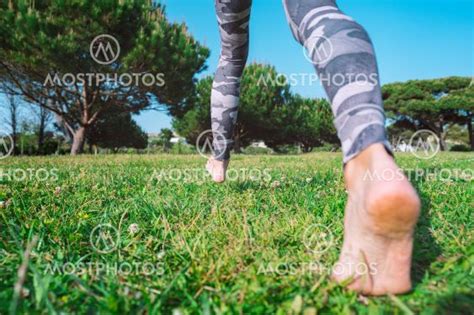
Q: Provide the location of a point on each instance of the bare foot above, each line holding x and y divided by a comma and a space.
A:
380, 217
217, 169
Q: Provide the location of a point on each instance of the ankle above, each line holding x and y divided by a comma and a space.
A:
213, 159
373, 153
370, 158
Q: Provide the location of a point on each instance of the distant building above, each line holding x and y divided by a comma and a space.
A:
258, 144
177, 138
153, 134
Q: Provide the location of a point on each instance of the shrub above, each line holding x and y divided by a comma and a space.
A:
256, 150
460, 148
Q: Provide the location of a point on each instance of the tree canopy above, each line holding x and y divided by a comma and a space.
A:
268, 111
45, 56
116, 129
431, 104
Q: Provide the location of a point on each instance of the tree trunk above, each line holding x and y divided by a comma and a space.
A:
442, 144
14, 121
41, 136
307, 148
15, 140
78, 140
471, 135
237, 143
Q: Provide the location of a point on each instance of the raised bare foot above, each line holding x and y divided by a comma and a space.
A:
217, 169
380, 217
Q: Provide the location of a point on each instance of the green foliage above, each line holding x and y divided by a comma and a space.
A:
28, 144
261, 98
457, 134
431, 104
116, 129
182, 148
307, 122
460, 148
251, 150
267, 112
198, 117
163, 140
52, 37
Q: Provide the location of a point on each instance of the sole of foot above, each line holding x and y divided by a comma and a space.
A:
380, 217
217, 169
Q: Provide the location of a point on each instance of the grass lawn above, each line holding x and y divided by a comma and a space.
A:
150, 234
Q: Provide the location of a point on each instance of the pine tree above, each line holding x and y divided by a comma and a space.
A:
432, 105
45, 47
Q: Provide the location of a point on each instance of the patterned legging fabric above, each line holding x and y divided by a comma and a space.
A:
341, 52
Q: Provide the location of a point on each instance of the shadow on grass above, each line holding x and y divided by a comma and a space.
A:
425, 250
455, 304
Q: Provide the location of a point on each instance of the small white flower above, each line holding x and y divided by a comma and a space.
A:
160, 255
309, 179
133, 228
25, 292
5, 204
177, 311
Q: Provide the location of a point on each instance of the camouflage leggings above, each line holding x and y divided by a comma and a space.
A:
341, 52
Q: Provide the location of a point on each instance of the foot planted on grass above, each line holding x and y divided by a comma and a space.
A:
380, 218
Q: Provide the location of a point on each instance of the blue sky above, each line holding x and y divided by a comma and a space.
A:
414, 39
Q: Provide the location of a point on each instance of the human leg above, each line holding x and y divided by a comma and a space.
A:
233, 19
381, 212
